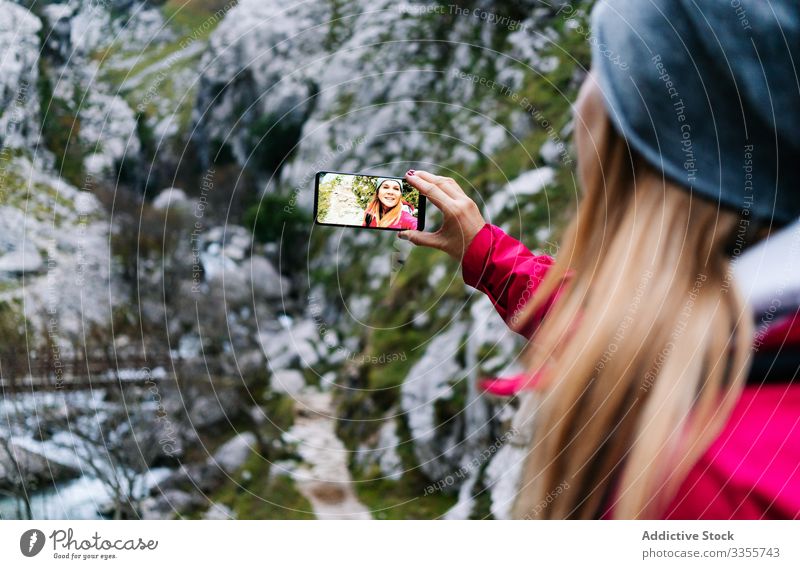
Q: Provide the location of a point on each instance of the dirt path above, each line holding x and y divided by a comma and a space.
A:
324, 479
344, 207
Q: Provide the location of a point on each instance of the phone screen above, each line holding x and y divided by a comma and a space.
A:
361, 200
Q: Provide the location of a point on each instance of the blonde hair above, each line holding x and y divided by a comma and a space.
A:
645, 351
375, 209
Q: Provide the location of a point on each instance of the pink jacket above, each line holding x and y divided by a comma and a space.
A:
406, 221
752, 470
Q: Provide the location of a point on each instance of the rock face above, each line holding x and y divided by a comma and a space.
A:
528, 183
289, 90
19, 100
265, 281
63, 243
287, 381
108, 130
432, 379
219, 512
278, 91
269, 85
290, 75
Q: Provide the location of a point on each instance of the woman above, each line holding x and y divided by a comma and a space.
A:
387, 207
642, 344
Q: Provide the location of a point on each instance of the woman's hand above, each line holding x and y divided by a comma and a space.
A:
462, 218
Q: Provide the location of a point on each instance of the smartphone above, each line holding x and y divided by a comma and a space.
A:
364, 200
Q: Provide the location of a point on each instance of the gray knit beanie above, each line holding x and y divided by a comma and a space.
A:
708, 91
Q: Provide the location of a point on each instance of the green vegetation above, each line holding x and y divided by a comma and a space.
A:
273, 139
412, 497
275, 218
61, 128
481, 509
193, 21
38, 200
201, 16
402, 500
279, 411
256, 493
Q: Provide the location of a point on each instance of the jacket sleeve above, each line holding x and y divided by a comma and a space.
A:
507, 272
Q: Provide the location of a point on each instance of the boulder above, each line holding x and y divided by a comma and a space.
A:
169, 504
219, 512
171, 198
35, 467
296, 345
288, 381
265, 281
21, 262
208, 410
232, 455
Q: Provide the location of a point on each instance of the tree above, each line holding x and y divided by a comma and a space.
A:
118, 450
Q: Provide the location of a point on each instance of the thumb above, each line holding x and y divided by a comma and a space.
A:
422, 238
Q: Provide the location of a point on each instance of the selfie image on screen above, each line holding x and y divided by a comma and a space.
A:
356, 200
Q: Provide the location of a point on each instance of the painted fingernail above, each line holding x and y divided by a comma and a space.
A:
410, 173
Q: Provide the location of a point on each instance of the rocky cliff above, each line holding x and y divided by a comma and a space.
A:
158, 159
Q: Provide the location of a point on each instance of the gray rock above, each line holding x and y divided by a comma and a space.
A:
232, 285
526, 184
171, 198
219, 512
234, 235
209, 410
19, 101
502, 478
21, 262
232, 455
108, 128
265, 281
251, 362
288, 381
429, 380
169, 504
32, 466
296, 345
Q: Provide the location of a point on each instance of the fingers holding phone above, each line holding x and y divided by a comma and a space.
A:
462, 217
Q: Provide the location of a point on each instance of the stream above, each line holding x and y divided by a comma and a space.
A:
23, 415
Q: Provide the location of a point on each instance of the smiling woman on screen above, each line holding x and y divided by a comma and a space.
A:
387, 207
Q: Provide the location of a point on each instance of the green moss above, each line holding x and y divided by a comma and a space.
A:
196, 16
61, 127
279, 410
273, 138
481, 508
38, 200
447, 409
312, 376
261, 495
411, 497
13, 324
399, 500
276, 218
